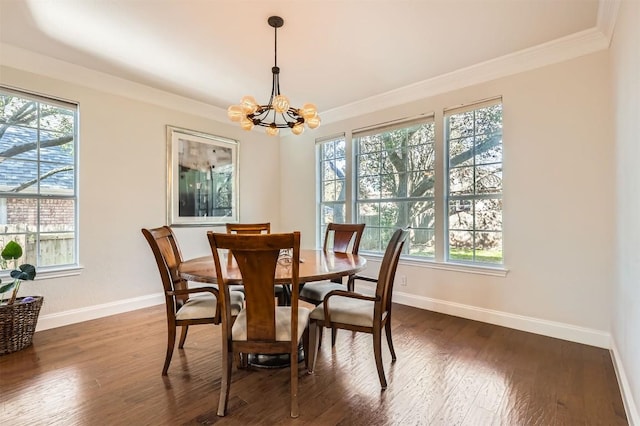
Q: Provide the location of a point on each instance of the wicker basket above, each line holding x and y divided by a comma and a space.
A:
18, 323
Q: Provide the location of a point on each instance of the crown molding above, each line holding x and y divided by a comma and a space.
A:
607, 15
26, 60
562, 49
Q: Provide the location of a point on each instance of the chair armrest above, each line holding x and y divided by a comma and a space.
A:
181, 292
363, 278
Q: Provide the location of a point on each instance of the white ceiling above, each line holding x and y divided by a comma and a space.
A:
332, 53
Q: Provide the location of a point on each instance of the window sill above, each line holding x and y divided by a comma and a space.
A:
495, 271
49, 273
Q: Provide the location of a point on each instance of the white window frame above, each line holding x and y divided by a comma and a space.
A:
73, 267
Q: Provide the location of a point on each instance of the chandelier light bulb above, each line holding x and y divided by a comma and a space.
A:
246, 124
313, 122
272, 130
297, 129
281, 103
308, 111
235, 113
249, 104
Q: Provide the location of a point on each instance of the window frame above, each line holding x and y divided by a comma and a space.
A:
61, 269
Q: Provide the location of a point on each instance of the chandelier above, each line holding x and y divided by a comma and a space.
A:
278, 113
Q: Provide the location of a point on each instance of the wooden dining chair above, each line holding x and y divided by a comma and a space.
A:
249, 228
359, 312
182, 309
339, 238
262, 326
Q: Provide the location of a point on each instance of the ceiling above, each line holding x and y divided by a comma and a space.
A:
332, 52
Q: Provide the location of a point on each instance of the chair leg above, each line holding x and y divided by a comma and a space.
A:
225, 382
320, 336
334, 335
171, 342
387, 329
314, 343
377, 353
183, 336
305, 347
293, 356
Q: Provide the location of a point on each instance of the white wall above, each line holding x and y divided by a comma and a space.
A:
558, 203
625, 64
122, 176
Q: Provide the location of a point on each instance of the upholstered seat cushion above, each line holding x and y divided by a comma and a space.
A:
205, 306
283, 321
318, 289
347, 310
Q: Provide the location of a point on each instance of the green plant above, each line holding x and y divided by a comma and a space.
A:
12, 252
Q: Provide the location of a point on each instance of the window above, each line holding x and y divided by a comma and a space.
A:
332, 190
395, 185
474, 185
443, 178
38, 195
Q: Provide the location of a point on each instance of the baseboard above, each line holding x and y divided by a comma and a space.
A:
558, 330
633, 417
73, 316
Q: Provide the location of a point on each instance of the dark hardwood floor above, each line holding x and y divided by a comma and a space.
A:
450, 371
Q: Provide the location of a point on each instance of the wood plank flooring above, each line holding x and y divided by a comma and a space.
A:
450, 371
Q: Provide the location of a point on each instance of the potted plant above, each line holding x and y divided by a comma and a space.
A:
18, 316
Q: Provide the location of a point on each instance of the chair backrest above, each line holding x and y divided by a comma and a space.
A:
168, 258
386, 277
342, 236
257, 257
246, 229
249, 228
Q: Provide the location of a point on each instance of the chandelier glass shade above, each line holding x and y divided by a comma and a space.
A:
278, 113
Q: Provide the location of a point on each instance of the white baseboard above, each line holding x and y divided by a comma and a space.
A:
73, 316
558, 330
633, 417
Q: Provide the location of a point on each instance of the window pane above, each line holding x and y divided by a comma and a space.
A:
460, 152
489, 119
57, 248
488, 247
389, 187
422, 214
370, 239
369, 164
461, 245
421, 242
328, 170
489, 149
488, 214
461, 181
332, 213
369, 187
18, 176
489, 179
421, 184
461, 214
369, 214
328, 151
460, 125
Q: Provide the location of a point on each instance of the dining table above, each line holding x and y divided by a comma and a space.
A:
315, 265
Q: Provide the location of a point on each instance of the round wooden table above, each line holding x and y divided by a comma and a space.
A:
315, 265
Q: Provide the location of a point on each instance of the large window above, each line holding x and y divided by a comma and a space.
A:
442, 178
474, 186
332, 173
395, 185
38, 191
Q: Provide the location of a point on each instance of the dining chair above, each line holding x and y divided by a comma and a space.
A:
361, 313
261, 326
340, 238
184, 306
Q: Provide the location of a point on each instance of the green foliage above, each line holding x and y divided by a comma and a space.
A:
12, 252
